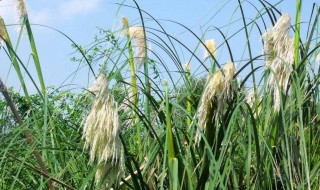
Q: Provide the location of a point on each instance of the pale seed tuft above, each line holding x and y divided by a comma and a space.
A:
211, 46
279, 56
215, 95
101, 134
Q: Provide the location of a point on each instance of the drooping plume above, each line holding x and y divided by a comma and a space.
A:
215, 95
279, 56
101, 134
211, 46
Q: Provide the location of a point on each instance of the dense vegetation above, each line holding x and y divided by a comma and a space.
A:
153, 121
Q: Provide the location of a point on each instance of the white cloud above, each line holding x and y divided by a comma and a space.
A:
51, 12
72, 8
63, 11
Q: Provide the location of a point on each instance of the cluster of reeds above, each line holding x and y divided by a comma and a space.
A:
151, 122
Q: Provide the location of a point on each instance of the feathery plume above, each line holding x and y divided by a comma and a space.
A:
211, 45
279, 50
215, 95
136, 34
21, 10
101, 134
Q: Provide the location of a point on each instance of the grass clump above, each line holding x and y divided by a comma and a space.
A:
172, 126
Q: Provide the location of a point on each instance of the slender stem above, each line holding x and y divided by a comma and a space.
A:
169, 126
297, 34
35, 54
134, 85
248, 42
41, 172
147, 103
14, 60
25, 132
171, 154
189, 107
145, 65
213, 66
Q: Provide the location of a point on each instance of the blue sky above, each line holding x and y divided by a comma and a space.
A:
79, 19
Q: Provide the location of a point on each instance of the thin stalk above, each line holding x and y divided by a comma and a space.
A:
16, 48
189, 106
274, 132
297, 34
145, 66
41, 172
15, 63
248, 42
169, 125
147, 82
35, 54
213, 66
134, 86
302, 143
25, 132
172, 160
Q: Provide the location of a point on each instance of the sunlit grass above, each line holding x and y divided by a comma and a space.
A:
181, 127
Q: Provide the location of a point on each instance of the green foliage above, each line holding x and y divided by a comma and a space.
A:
244, 145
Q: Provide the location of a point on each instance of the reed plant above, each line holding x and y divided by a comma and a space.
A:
170, 126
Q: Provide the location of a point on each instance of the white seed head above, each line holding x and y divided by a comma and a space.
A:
21, 10
101, 131
187, 66
138, 43
99, 85
136, 34
279, 50
229, 70
211, 46
217, 92
283, 23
